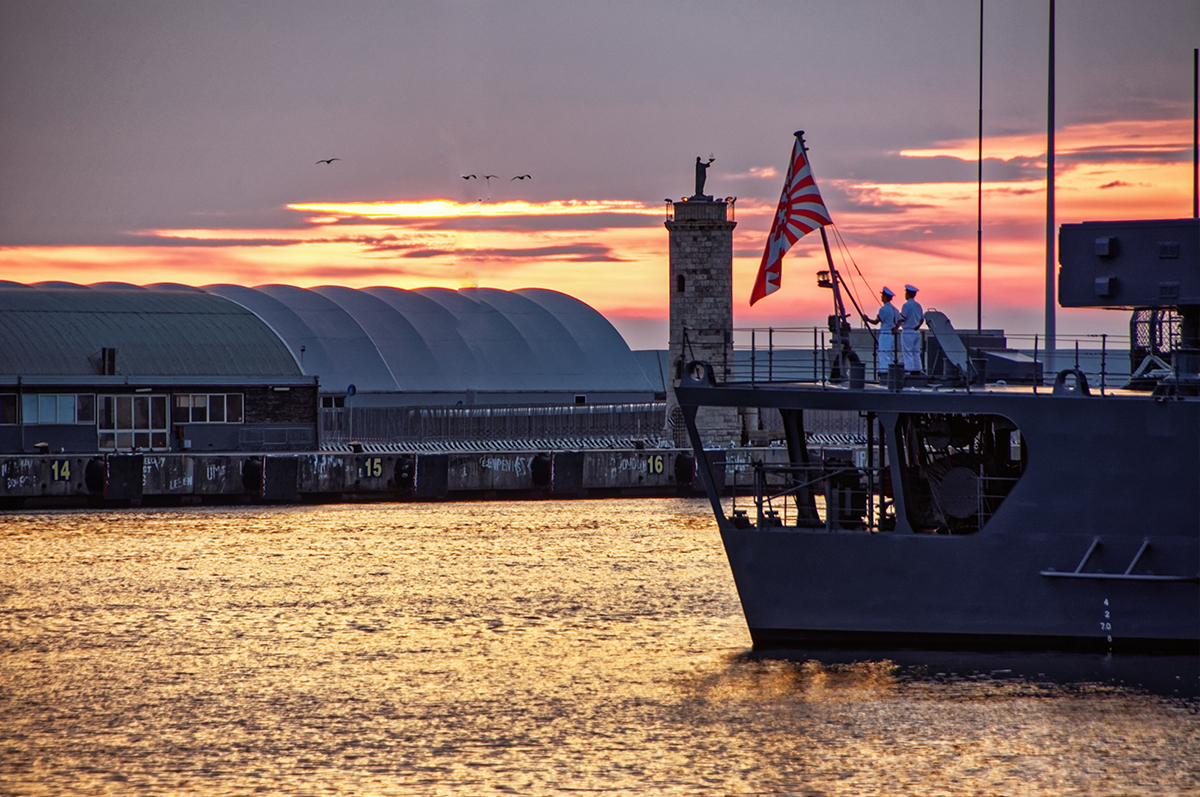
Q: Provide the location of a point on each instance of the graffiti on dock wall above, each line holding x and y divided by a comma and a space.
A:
518, 466
161, 474
19, 474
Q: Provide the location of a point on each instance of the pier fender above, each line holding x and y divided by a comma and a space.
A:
94, 476
1071, 382
124, 477
252, 475
405, 474
433, 477
685, 469
539, 469
281, 479
567, 471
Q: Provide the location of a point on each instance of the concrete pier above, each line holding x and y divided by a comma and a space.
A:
63, 480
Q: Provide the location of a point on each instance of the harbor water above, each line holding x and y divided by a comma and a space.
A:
534, 648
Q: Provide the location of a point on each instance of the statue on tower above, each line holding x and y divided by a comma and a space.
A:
701, 174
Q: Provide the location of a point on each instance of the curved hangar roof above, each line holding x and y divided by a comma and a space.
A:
384, 340
441, 341
59, 329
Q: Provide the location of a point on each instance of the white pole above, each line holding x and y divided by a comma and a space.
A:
1050, 264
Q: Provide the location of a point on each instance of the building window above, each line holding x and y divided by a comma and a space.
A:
8, 408
331, 402
44, 408
679, 283
207, 408
132, 422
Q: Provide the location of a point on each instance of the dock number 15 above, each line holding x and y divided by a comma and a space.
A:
374, 467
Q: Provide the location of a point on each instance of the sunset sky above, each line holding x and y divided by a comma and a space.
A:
151, 142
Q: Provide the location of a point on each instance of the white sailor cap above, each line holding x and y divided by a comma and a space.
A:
910, 288
887, 291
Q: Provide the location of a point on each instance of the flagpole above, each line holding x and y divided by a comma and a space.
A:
840, 345
838, 307
801, 210
835, 278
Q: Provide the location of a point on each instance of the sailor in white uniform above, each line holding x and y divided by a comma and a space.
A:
888, 320
912, 318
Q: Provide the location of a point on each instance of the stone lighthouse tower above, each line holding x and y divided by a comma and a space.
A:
701, 289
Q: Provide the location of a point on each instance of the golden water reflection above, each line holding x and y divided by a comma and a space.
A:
488, 648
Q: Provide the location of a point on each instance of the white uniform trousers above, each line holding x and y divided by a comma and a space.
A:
887, 350
911, 341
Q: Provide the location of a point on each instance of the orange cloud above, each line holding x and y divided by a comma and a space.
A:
446, 209
613, 254
1130, 137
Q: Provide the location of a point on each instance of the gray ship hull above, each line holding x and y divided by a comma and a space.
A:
1091, 541
804, 588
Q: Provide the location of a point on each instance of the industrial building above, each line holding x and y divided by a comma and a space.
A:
113, 367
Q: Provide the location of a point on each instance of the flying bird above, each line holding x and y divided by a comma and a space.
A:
522, 177
328, 161
469, 177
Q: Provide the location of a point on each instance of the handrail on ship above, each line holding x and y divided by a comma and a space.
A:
773, 355
777, 489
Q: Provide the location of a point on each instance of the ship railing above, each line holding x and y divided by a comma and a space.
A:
849, 497
806, 355
1106, 361
814, 495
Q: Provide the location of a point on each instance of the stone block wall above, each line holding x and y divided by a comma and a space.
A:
701, 302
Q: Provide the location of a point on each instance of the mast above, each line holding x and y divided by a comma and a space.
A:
835, 278
979, 192
1050, 200
1196, 134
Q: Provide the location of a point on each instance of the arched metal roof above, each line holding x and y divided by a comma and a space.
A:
409, 359
438, 340
596, 338
60, 329
381, 339
335, 347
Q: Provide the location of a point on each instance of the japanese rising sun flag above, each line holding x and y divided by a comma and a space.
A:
800, 212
